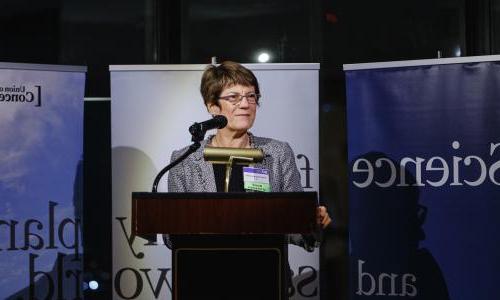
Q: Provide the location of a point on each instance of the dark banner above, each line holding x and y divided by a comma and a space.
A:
424, 158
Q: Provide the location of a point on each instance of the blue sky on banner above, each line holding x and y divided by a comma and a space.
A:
41, 144
446, 118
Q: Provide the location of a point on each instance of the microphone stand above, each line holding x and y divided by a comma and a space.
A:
196, 137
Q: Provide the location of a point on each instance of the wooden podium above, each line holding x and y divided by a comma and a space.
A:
226, 245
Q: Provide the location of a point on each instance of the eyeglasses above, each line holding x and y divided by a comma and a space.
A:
236, 98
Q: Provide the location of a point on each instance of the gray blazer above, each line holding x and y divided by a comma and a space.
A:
194, 174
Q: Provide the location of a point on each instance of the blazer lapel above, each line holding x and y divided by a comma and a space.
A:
267, 162
204, 171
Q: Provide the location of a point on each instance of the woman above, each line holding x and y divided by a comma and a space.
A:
232, 90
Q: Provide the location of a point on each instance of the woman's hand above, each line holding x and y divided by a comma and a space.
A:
322, 217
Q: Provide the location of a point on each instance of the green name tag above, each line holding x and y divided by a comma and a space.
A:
256, 179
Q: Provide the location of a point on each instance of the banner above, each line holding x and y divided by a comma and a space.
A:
424, 157
41, 147
152, 108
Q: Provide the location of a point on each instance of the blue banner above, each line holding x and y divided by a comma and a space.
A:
41, 148
424, 158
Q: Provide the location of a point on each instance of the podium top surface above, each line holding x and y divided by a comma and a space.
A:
230, 195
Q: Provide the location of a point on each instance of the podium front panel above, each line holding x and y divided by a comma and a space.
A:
223, 213
229, 267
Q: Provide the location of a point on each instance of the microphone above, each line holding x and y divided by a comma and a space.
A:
217, 121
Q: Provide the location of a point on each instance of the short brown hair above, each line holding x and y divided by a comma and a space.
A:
216, 78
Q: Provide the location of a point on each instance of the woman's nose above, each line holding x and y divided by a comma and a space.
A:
243, 102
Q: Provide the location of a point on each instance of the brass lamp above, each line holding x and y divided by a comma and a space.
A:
230, 156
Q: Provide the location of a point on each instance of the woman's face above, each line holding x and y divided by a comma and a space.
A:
240, 116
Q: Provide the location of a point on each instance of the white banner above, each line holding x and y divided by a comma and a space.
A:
152, 108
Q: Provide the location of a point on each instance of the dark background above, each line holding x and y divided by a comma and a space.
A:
99, 33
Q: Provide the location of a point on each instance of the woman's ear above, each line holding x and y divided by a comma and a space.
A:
213, 109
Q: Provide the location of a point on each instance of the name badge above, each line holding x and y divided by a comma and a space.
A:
256, 179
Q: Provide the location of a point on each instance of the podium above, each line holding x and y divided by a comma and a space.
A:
226, 245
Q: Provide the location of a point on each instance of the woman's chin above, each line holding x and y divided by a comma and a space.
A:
241, 126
